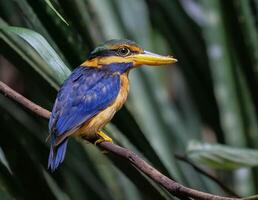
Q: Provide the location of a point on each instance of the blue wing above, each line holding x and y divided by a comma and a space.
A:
86, 92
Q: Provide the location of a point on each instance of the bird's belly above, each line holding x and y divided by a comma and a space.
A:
89, 128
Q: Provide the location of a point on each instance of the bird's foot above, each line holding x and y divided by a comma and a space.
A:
103, 138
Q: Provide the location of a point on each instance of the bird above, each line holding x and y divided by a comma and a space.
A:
93, 93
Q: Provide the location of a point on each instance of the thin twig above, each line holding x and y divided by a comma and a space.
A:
255, 197
173, 187
210, 176
10, 93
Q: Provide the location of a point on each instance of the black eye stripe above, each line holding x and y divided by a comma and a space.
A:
109, 52
102, 53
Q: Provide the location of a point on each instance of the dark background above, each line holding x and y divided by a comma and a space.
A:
209, 96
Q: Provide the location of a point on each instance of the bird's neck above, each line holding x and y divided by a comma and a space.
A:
118, 67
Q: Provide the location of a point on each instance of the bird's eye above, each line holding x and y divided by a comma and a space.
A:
123, 51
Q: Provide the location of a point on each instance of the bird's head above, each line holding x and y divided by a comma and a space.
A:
122, 55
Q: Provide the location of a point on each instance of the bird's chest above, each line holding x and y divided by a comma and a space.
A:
123, 92
103, 117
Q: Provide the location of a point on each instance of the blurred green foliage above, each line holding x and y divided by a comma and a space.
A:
210, 95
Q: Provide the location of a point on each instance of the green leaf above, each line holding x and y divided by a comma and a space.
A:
59, 194
221, 156
3, 160
55, 70
57, 13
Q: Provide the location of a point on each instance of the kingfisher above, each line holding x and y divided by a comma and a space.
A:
93, 93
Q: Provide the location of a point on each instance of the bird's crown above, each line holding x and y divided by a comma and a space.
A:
116, 47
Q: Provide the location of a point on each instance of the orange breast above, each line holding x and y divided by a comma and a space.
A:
89, 129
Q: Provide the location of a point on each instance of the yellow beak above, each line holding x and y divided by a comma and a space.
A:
148, 58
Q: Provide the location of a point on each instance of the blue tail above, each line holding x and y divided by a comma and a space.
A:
56, 155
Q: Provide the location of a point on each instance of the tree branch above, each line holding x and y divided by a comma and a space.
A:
173, 187
198, 169
10, 93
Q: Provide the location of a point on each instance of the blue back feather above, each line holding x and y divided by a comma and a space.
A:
86, 92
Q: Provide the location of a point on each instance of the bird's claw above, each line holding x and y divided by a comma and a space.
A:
103, 138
